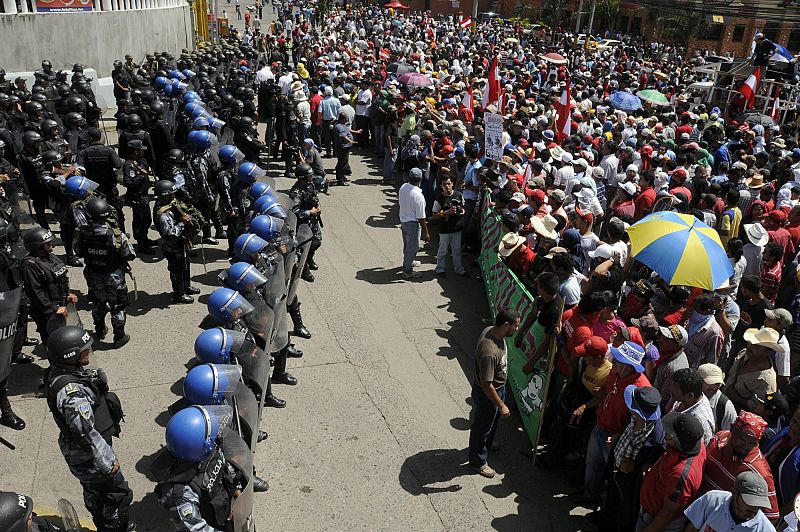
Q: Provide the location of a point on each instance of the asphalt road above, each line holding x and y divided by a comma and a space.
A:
374, 436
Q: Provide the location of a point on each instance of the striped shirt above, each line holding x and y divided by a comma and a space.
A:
720, 471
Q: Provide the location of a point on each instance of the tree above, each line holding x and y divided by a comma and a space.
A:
608, 10
680, 26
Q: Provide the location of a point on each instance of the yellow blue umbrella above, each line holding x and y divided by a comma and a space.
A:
681, 249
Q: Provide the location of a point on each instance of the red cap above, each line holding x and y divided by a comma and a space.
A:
538, 195
587, 216
777, 215
750, 424
593, 347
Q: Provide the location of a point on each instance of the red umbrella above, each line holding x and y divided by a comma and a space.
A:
556, 59
396, 5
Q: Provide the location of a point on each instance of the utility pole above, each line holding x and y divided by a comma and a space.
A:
578, 21
591, 21
474, 11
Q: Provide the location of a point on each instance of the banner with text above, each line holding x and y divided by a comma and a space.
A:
63, 6
504, 290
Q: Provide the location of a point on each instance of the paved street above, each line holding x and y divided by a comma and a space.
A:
374, 436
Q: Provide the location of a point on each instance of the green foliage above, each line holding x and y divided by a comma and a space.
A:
679, 26
607, 10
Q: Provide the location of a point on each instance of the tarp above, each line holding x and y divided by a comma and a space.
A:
505, 291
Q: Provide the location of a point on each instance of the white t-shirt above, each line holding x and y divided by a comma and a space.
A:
365, 96
712, 512
412, 203
285, 83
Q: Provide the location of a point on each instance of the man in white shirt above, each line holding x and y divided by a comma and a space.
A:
264, 74
363, 104
285, 81
412, 222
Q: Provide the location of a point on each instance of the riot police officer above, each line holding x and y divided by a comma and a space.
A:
134, 131
202, 176
88, 416
9, 280
101, 164
107, 253
45, 277
198, 483
136, 176
122, 81
306, 207
177, 228
160, 135
30, 165
16, 515
55, 176
246, 139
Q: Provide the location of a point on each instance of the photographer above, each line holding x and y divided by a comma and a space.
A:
448, 210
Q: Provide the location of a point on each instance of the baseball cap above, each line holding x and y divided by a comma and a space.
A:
629, 187
711, 373
629, 353
595, 346
780, 314
538, 196
525, 210
647, 322
675, 332
644, 401
753, 489
687, 431
587, 216
774, 402
554, 251
415, 173
603, 251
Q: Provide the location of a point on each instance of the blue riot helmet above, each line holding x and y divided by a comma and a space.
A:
247, 245
199, 123
176, 74
218, 345
230, 154
210, 384
179, 87
79, 186
192, 432
258, 189
168, 90
249, 173
161, 82
195, 104
244, 277
227, 306
244, 69
188, 73
269, 205
200, 111
201, 140
265, 226
215, 124
191, 96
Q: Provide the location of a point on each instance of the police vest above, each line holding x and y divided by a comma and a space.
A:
100, 250
107, 409
54, 275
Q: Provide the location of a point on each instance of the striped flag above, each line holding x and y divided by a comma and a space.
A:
750, 87
385, 54
467, 106
491, 93
564, 122
466, 22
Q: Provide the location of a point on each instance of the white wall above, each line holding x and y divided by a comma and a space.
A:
93, 38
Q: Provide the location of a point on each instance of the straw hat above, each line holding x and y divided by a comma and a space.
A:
764, 337
545, 226
510, 242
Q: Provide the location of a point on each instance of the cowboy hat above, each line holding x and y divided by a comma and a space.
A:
765, 337
757, 181
757, 234
510, 242
545, 226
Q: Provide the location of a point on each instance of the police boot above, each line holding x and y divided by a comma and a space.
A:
72, 260
178, 295
191, 290
311, 264
221, 234
120, 339
307, 276
284, 378
273, 402
8, 417
260, 485
299, 329
262, 436
291, 351
21, 358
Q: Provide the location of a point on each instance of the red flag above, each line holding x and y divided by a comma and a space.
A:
564, 122
466, 22
750, 87
467, 106
385, 54
491, 93
776, 106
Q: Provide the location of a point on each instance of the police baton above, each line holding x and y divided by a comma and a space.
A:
129, 271
7, 443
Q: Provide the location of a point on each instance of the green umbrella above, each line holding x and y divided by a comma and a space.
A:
653, 96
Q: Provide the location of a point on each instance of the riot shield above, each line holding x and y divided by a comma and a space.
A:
171, 114
239, 455
260, 320
255, 364
304, 236
72, 318
9, 310
248, 410
276, 299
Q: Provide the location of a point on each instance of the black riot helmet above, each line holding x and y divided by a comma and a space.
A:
73, 118
74, 103
175, 156
36, 89
117, 64
33, 108
30, 138
15, 511
8, 232
4, 97
157, 108
35, 238
63, 90
98, 209
303, 170
148, 95
77, 67
39, 97
47, 65
134, 122
2, 72
51, 158
66, 344
164, 188
245, 123
237, 106
48, 124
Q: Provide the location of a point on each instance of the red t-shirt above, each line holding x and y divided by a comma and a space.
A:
682, 190
625, 209
794, 234
613, 413
676, 476
521, 260
643, 203
316, 116
719, 472
577, 330
784, 238
680, 130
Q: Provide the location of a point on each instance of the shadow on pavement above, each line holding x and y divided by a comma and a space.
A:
420, 471
149, 515
147, 302
380, 275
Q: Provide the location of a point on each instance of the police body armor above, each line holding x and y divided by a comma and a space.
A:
107, 410
100, 250
54, 272
98, 167
202, 170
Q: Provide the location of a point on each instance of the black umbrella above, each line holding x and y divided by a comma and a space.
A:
758, 119
400, 68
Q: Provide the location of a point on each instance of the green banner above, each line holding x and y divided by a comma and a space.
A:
505, 291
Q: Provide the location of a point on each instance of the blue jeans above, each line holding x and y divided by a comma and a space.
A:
596, 457
380, 147
411, 234
449, 242
388, 166
485, 415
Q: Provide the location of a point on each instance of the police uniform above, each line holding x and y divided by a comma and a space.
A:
202, 171
175, 242
46, 285
101, 164
304, 198
136, 178
30, 165
106, 253
234, 204
88, 416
